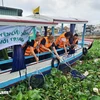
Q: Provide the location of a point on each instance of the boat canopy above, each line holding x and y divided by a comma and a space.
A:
60, 19
26, 21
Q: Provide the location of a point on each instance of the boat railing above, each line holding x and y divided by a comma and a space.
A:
27, 57
42, 56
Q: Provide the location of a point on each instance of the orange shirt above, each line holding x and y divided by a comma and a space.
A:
35, 46
47, 44
61, 40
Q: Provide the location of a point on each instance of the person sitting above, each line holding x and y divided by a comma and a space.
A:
47, 43
32, 47
63, 41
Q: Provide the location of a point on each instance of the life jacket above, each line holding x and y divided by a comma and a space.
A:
60, 43
75, 41
47, 45
35, 46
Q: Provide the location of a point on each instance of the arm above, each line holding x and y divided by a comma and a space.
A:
64, 42
65, 48
55, 51
76, 44
33, 53
47, 49
31, 44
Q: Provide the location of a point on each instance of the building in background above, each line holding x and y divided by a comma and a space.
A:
93, 30
97, 29
90, 29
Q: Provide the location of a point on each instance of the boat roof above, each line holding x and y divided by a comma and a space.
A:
69, 20
27, 21
60, 19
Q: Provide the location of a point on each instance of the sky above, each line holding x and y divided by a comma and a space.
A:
84, 9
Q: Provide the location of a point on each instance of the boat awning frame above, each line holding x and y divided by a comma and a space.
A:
26, 21
60, 19
70, 21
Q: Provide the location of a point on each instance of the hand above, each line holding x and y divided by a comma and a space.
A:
58, 57
49, 50
72, 46
66, 53
37, 59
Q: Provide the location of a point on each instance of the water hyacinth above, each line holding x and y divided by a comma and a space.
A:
59, 86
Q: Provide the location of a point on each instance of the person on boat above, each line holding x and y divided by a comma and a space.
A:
63, 41
75, 39
32, 47
73, 43
47, 44
71, 39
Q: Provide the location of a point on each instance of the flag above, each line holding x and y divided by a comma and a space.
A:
36, 11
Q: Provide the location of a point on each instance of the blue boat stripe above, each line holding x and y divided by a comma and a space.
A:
4, 84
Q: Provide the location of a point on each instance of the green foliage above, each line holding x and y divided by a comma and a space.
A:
3, 54
94, 52
95, 98
59, 86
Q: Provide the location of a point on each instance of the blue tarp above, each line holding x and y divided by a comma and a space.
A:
18, 59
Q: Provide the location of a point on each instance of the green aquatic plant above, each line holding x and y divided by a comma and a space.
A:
59, 86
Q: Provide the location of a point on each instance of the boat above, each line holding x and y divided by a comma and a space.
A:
87, 43
63, 20
46, 59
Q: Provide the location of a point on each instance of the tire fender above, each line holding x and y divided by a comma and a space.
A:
85, 50
53, 62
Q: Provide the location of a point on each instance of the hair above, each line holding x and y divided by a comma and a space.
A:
67, 34
50, 37
50, 33
76, 34
38, 35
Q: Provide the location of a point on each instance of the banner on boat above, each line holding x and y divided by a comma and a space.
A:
14, 35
